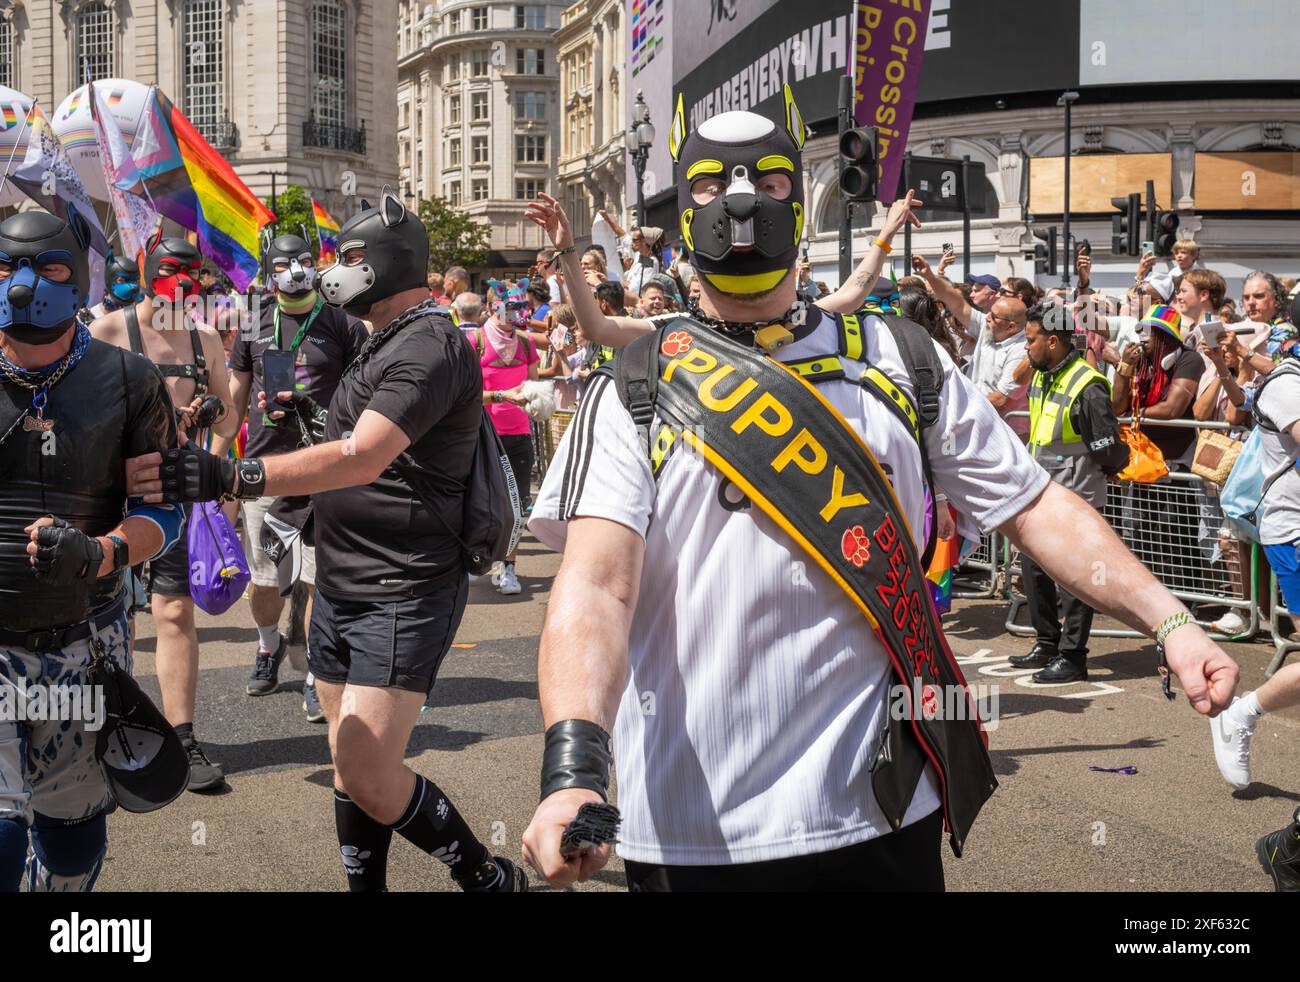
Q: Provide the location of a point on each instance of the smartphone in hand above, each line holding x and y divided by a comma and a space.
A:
278, 375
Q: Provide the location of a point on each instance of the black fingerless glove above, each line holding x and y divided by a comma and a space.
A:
65, 554
312, 417
577, 755
189, 474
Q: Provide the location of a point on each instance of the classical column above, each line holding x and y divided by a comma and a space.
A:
1183, 147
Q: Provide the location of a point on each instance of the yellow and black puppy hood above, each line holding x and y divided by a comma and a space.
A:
744, 240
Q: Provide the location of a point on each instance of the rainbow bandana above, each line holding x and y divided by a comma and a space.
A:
1165, 318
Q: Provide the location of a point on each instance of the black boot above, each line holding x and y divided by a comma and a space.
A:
1060, 670
1036, 657
1279, 854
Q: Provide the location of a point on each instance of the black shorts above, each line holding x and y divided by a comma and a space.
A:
395, 644
519, 449
905, 861
169, 574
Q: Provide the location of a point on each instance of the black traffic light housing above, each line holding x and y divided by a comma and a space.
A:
859, 174
1165, 233
1045, 251
1125, 227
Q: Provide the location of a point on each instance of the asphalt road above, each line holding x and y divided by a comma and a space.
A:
1052, 825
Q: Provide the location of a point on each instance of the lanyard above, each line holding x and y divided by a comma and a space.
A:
302, 331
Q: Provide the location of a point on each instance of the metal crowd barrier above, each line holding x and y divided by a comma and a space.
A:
1160, 524
981, 566
1282, 646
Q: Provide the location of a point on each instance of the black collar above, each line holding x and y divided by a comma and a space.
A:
802, 319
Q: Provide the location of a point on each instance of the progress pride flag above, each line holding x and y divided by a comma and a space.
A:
888, 44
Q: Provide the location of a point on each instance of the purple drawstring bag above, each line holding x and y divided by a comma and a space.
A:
218, 568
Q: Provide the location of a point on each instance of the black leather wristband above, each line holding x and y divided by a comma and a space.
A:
121, 553
252, 478
577, 755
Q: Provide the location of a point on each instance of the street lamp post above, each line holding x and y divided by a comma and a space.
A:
1066, 99
642, 133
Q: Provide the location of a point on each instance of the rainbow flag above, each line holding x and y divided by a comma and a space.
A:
947, 554
327, 230
195, 187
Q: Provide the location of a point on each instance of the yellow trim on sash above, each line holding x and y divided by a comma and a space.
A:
750, 283
704, 167
769, 509
773, 161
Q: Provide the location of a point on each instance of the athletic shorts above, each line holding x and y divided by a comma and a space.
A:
263, 569
396, 644
1285, 560
519, 450
169, 574
49, 766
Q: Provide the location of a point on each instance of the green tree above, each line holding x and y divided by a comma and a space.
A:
293, 210
455, 239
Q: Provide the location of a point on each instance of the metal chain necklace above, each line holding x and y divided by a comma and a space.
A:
796, 316
40, 387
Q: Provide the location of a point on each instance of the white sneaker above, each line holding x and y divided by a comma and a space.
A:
1231, 733
1231, 624
495, 573
509, 584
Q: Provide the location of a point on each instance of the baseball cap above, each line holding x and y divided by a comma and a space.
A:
992, 282
138, 750
1166, 319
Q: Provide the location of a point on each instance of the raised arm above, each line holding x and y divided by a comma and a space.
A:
853, 294
944, 291
612, 331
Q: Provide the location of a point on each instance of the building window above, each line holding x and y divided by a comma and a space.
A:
329, 44
419, 159
204, 60
529, 18
478, 63
479, 189
478, 107
453, 22
453, 153
453, 70
530, 61
479, 18
8, 74
528, 189
453, 110
530, 149
419, 121
453, 194
95, 42
480, 144
530, 105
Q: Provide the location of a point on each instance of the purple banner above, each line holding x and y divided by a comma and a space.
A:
888, 44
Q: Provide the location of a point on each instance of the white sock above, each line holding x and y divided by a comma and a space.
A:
1249, 707
268, 637
311, 679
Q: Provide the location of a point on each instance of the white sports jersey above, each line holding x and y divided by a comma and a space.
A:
757, 692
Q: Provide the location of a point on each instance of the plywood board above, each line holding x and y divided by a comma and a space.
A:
1095, 179
1247, 181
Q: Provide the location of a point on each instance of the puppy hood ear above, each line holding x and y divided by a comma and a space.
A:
391, 209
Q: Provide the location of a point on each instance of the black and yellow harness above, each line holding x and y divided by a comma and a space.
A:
767, 429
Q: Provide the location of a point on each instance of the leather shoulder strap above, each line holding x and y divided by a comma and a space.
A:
636, 380
133, 329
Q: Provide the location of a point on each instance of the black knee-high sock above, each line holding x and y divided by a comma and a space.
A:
363, 844
432, 823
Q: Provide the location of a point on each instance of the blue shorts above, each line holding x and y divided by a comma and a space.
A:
1285, 560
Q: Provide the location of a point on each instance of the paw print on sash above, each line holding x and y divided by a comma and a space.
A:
855, 545
676, 343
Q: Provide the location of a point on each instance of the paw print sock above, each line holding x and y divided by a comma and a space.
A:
432, 823
363, 845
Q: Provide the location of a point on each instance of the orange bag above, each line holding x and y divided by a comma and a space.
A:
1146, 464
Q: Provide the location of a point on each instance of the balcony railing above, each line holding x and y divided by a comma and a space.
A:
332, 136
222, 135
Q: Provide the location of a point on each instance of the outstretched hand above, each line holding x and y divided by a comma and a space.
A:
900, 214
548, 213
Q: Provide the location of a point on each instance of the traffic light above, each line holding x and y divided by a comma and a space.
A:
1124, 227
1045, 251
1166, 233
859, 177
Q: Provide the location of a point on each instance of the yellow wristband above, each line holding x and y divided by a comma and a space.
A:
885, 246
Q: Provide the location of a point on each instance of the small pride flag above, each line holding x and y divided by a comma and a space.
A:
327, 229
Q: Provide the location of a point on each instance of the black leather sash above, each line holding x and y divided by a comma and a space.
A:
777, 439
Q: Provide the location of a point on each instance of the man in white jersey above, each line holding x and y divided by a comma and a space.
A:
748, 696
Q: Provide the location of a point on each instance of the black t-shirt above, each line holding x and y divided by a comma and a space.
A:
379, 542
1175, 441
329, 346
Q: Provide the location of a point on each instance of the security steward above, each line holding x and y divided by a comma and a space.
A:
1074, 435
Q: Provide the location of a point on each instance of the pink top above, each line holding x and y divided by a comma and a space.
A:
509, 419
